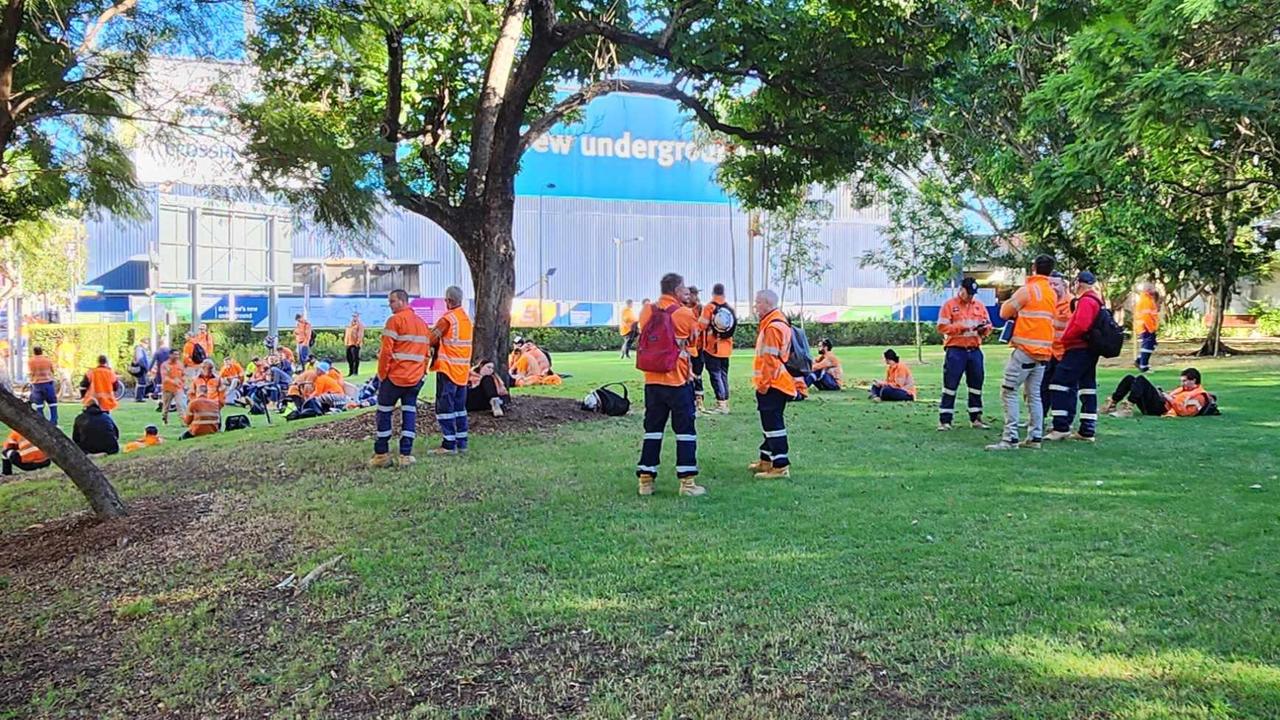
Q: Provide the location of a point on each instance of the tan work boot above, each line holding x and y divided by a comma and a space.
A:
443, 451
1108, 407
406, 460
645, 484
690, 488
380, 460
495, 404
760, 466
699, 406
722, 407
774, 473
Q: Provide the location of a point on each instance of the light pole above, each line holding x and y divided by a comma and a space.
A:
541, 274
617, 255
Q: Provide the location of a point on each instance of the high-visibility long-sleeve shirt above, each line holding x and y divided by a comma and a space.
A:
1146, 314
402, 357
773, 348
959, 320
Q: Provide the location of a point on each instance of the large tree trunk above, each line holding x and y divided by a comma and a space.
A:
1213, 346
489, 248
87, 476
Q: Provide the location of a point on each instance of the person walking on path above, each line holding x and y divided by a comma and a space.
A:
402, 363
41, 372
628, 328
1146, 323
1031, 309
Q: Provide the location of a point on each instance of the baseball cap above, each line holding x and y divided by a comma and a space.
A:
970, 284
323, 366
1086, 277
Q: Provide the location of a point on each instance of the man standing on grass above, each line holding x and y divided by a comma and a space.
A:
41, 372
451, 340
666, 329
302, 337
1032, 311
402, 362
695, 351
1078, 371
716, 349
774, 386
963, 321
1146, 322
353, 339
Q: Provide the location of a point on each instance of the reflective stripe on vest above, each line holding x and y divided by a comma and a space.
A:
1033, 331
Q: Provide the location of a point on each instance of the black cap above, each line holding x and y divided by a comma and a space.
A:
1086, 277
970, 284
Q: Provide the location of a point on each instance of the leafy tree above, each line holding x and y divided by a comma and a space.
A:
795, 249
430, 105
44, 256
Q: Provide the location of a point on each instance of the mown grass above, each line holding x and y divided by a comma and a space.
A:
900, 573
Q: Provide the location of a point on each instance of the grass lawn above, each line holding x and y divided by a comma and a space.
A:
900, 573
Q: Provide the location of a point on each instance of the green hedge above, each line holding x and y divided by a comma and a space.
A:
879, 333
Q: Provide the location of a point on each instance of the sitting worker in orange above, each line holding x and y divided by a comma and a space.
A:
898, 385
827, 372
326, 392
18, 452
232, 376
150, 436
204, 415
533, 367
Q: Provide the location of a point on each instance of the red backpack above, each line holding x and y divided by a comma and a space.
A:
657, 350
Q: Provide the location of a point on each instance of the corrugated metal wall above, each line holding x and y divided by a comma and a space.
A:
113, 241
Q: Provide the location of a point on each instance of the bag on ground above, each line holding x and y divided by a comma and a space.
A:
236, 422
1106, 337
604, 400
657, 350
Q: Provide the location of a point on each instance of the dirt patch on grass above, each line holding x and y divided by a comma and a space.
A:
529, 412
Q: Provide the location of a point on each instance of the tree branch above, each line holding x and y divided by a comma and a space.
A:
497, 82
91, 34
704, 113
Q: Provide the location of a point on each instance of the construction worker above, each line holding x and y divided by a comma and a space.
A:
18, 452
150, 437
203, 416
964, 323
353, 339
326, 392
898, 384
774, 386
1146, 322
451, 345
1061, 317
532, 367
627, 328
1032, 308
100, 385
66, 359
1077, 373
695, 350
205, 340
402, 362
715, 349
173, 383
669, 393
232, 377
827, 373
207, 383
302, 337
44, 391
1136, 391
193, 356
95, 432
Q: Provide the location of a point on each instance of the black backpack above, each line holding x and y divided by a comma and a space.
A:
1106, 338
197, 354
609, 402
723, 315
1211, 407
236, 422
799, 356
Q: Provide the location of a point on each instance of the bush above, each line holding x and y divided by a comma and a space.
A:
115, 340
1269, 323
878, 333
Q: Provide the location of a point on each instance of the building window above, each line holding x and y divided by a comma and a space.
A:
344, 279
385, 278
308, 276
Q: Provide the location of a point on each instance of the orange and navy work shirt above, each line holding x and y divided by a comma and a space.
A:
40, 369
1146, 314
402, 358
685, 323
829, 362
1186, 403
354, 334
27, 452
102, 388
959, 320
898, 375
773, 348
204, 416
713, 344
174, 376
452, 336
325, 384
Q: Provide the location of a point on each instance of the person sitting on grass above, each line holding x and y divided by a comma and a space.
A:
95, 432
18, 452
204, 415
326, 393
898, 385
827, 373
1136, 391
232, 376
150, 436
533, 367
486, 392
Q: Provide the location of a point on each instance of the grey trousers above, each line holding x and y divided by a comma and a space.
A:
1022, 371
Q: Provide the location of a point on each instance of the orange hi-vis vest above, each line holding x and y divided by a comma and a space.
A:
773, 348
27, 452
325, 384
1037, 309
628, 321
1146, 316
40, 369
302, 332
898, 375
452, 335
204, 416
174, 378
102, 388
354, 335
713, 344
210, 386
1187, 403
402, 359
958, 321
1062, 317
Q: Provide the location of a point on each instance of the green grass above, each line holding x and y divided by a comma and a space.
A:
900, 573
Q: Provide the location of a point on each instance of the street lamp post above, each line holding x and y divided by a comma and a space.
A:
541, 274
617, 254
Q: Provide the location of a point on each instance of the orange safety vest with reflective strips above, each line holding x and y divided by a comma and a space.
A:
1036, 304
1062, 317
713, 344
212, 387
958, 321
452, 335
1187, 403
1146, 316
40, 368
402, 359
204, 416
27, 452
174, 377
898, 375
102, 387
773, 347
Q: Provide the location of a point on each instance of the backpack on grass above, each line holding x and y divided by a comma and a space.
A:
604, 400
236, 422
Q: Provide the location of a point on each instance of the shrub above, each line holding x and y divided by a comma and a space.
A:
879, 333
1269, 322
115, 340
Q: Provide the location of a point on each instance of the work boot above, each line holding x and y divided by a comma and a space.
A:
1124, 411
1108, 407
774, 473
979, 425
645, 484
1003, 445
380, 460
699, 406
443, 451
722, 407
1031, 444
1083, 438
406, 460
495, 405
944, 427
760, 466
690, 488
1057, 435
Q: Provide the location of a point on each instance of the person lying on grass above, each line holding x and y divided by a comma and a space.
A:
1137, 392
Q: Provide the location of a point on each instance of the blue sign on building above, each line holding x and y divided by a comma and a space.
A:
627, 147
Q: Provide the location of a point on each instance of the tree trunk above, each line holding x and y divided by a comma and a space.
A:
489, 248
1213, 346
87, 476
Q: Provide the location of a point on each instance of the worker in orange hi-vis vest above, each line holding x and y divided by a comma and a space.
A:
963, 322
898, 384
302, 337
18, 452
203, 416
205, 340
1061, 318
696, 364
353, 340
1146, 323
99, 386
628, 328
44, 389
402, 363
716, 347
1033, 309
774, 386
451, 341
